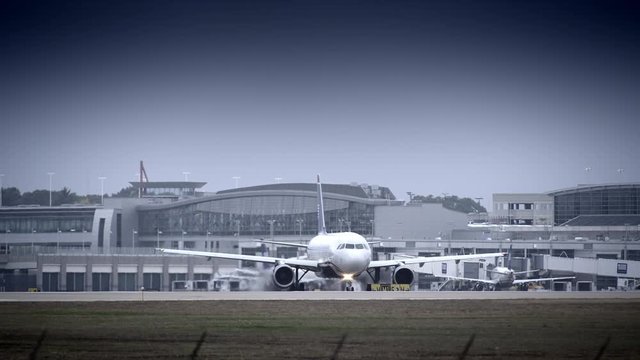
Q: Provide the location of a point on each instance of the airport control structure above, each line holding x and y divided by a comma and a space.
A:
589, 232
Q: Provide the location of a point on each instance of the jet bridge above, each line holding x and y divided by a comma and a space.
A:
612, 268
598, 267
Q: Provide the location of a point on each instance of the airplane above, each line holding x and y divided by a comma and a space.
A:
342, 255
239, 279
501, 277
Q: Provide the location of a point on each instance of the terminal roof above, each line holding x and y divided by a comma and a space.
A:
169, 184
349, 190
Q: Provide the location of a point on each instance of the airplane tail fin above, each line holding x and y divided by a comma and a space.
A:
322, 229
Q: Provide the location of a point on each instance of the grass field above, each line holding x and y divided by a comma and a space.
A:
507, 329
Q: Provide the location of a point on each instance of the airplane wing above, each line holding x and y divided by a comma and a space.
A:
312, 265
525, 272
423, 259
304, 246
490, 282
514, 273
524, 281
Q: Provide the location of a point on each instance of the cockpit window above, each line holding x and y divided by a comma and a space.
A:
350, 246
359, 246
341, 246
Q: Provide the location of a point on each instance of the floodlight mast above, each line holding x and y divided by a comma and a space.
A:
102, 178
1, 176
51, 173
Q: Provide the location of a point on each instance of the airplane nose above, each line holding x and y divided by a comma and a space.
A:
352, 263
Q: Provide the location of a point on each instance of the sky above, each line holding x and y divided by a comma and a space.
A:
460, 97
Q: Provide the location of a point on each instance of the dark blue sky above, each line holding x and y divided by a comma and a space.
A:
463, 97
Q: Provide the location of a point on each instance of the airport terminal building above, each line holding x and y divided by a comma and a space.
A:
111, 247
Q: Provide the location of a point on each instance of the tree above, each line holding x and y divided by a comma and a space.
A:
452, 202
36, 197
128, 192
64, 196
11, 196
91, 199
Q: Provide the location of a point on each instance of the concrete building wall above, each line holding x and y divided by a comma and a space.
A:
127, 207
417, 221
115, 264
511, 207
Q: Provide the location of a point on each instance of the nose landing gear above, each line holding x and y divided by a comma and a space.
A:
348, 286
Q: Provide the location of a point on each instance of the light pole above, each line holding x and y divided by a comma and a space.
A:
277, 179
186, 175
158, 232
300, 221
372, 228
206, 241
6, 245
101, 178
236, 178
587, 170
58, 243
1, 176
50, 185
133, 239
621, 172
181, 244
271, 222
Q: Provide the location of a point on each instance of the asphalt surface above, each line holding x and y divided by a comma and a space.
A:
312, 295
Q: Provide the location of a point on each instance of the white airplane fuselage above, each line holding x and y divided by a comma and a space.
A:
346, 253
502, 275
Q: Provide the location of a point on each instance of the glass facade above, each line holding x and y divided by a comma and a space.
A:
127, 281
50, 281
152, 281
75, 281
600, 200
46, 220
259, 215
101, 281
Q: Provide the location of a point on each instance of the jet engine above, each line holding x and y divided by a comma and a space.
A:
283, 276
403, 275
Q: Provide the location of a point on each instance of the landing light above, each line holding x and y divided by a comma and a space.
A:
348, 277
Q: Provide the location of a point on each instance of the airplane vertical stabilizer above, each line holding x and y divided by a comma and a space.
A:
322, 229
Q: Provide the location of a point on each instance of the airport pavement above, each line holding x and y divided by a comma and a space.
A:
312, 295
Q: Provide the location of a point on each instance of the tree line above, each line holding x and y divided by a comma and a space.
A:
452, 202
13, 197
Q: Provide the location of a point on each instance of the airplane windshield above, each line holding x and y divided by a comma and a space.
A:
352, 246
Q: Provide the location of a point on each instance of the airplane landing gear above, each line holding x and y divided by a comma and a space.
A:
348, 286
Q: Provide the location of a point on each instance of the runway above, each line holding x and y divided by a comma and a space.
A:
312, 295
